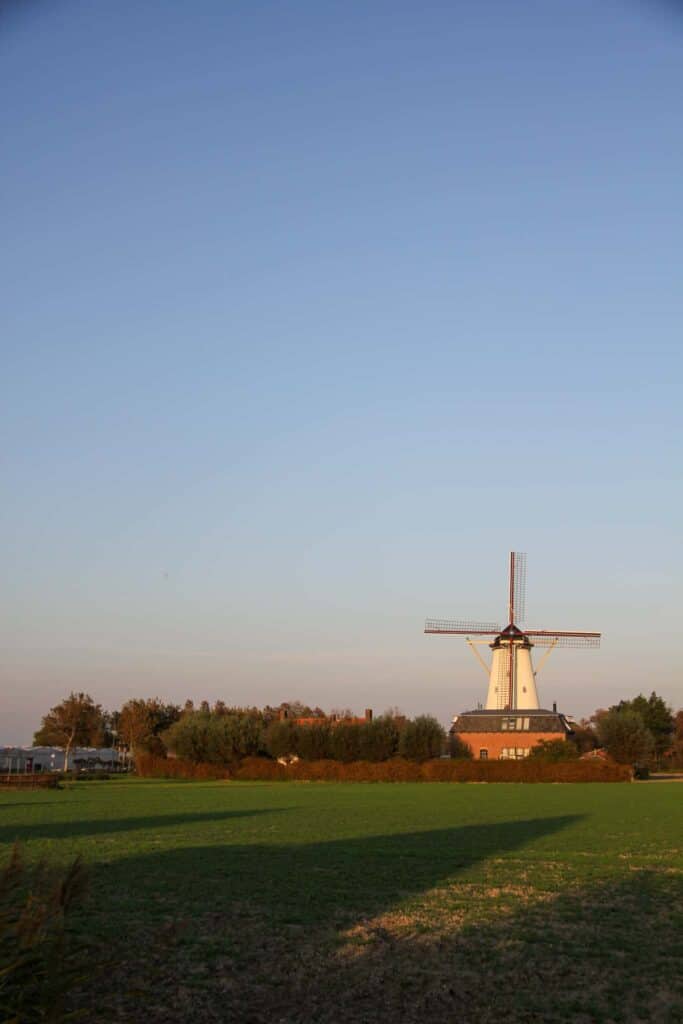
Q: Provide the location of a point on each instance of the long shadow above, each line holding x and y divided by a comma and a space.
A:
257, 908
604, 952
313, 883
31, 804
101, 826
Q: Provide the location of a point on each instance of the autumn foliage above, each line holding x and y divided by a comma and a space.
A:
395, 770
150, 766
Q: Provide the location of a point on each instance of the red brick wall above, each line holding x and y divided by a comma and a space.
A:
495, 742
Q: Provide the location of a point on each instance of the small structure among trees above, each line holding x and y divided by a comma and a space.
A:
42, 759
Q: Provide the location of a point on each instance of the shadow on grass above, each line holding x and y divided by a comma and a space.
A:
602, 953
260, 933
33, 803
102, 826
313, 884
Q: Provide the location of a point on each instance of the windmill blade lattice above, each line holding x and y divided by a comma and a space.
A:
461, 627
546, 638
518, 586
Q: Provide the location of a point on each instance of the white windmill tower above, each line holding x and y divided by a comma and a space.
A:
512, 679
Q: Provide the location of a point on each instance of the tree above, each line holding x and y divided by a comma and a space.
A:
280, 739
297, 709
584, 737
379, 739
217, 739
232, 737
675, 752
458, 748
345, 742
76, 721
141, 722
678, 724
421, 739
656, 715
313, 742
110, 728
625, 736
188, 737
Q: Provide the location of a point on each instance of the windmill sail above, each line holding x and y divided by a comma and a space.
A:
548, 638
460, 627
517, 587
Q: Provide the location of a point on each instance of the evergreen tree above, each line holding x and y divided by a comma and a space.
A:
625, 736
656, 715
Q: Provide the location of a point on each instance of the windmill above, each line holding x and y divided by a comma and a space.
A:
512, 679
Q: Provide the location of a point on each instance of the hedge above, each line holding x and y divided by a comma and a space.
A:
397, 770
149, 766
30, 780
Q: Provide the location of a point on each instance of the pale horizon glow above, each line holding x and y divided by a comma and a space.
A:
311, 314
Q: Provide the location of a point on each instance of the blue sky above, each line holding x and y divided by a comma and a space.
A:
312, 312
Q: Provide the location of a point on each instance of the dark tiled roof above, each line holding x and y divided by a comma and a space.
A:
492, 721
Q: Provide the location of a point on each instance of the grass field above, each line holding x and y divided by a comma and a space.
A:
335, 903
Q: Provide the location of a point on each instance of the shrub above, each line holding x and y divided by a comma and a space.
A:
555, 751
441, 770
393, 770
255, 769
151, 767
40, 963
31, 780
396, 769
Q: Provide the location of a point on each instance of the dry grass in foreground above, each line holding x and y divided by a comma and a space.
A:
608, 953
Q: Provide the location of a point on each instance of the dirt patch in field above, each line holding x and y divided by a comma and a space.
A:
603, 953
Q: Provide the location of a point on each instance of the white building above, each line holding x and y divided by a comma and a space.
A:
50, 759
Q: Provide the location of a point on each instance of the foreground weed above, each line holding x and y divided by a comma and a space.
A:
39, 963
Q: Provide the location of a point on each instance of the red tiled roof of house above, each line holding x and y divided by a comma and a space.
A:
328, 721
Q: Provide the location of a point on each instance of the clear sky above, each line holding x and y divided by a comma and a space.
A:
311, 312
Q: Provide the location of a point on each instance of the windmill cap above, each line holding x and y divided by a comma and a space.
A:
512, 630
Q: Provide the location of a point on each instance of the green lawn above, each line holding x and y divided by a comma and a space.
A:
371, 903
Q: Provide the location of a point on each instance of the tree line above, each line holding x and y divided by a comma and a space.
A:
643, 730
220, 734
225, 739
